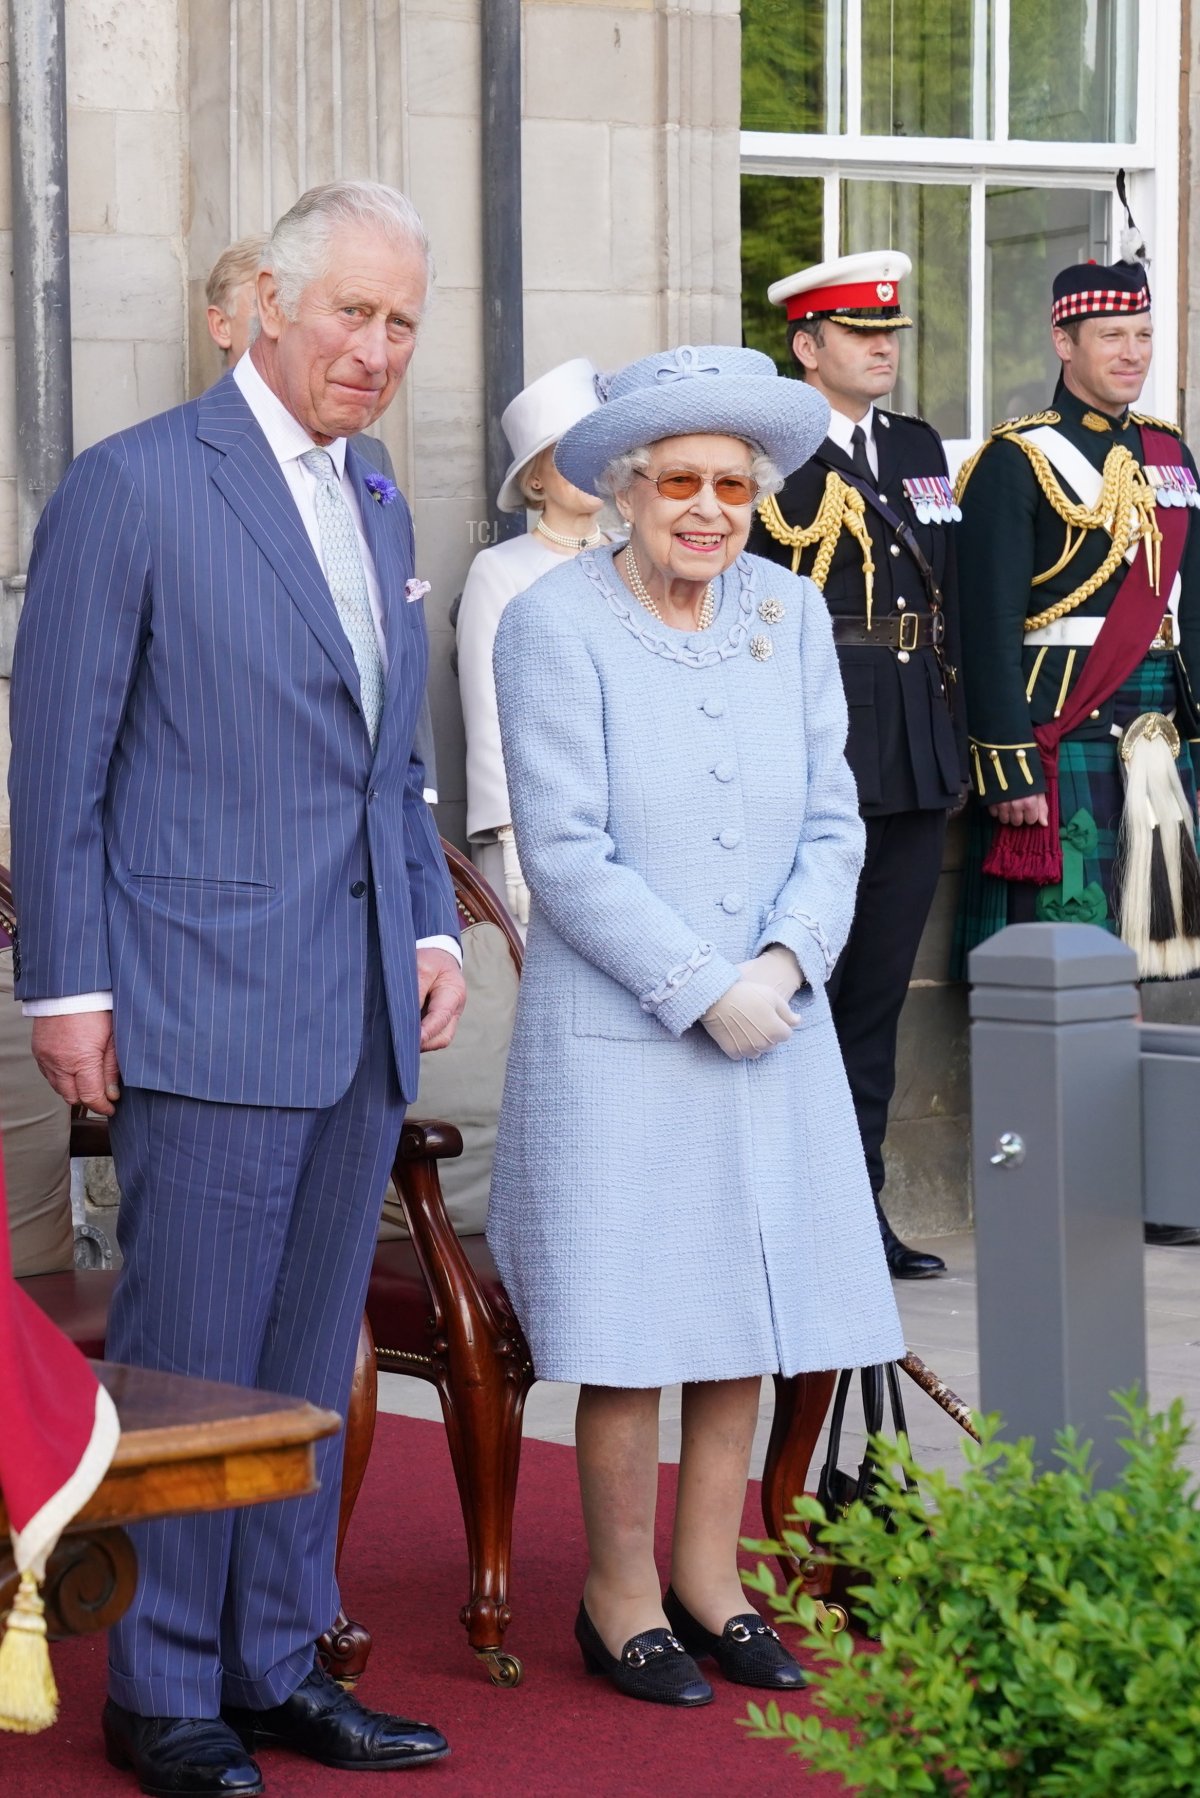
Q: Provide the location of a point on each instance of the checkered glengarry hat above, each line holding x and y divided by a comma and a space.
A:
1094, 289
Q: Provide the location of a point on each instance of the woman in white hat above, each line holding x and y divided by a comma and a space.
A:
566, 524
679, 1193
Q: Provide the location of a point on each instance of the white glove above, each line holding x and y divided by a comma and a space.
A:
748, 1020
777, 968
514, 880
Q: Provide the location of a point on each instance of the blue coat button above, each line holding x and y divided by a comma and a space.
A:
358, 889
724, 771
732, 902
713, 708
729, 839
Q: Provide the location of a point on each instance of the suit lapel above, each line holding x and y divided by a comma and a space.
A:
251, 481
830, 456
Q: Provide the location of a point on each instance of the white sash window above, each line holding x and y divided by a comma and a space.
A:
982, 137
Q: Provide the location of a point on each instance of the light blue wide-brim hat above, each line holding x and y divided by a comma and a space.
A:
716, 388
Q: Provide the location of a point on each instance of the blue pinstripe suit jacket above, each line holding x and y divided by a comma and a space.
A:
194, 794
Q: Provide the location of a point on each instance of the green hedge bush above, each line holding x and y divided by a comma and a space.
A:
1037, 1637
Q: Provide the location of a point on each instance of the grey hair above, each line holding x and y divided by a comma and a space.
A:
298, 249
618, 477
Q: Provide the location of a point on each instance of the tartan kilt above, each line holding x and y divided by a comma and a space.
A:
1089, 774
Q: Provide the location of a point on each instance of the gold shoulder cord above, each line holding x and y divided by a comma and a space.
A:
1156, 424
1001, 430
842, 507
1124, 509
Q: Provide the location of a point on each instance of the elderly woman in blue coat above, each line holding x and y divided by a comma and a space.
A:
679, 1191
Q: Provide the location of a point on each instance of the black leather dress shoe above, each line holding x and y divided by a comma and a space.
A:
905, 1263
1171, 1236
747, 1651
653, 1665
325, 1723
179, 1757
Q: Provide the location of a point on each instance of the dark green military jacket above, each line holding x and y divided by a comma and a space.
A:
1009, 534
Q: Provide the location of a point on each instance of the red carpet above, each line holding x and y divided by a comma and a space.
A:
558, 1733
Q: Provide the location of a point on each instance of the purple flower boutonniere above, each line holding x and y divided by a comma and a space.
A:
415, 589
382, 491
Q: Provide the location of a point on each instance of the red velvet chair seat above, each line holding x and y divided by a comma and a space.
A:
78, 1303
398, 1305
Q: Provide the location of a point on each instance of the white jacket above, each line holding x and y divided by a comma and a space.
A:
496, 576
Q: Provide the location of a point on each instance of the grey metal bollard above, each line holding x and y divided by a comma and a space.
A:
1057, 1169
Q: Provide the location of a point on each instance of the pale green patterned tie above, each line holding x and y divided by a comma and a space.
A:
348, 583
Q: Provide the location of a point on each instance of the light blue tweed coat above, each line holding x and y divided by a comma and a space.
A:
660, 1213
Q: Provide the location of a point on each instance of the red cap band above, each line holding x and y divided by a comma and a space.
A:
843, 297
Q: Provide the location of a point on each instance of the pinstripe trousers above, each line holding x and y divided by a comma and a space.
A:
247, 1234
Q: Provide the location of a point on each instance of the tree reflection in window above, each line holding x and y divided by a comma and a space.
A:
781, 232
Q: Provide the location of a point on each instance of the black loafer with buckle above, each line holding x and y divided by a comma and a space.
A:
747, 1651
653, 1665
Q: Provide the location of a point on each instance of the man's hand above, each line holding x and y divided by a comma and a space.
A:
1032, 810
78, 1056
443, 993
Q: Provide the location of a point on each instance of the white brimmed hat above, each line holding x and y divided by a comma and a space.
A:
539, 415
862, 291
680, 393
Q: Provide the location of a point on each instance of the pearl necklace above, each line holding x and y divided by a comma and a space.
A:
564, 542
708, 604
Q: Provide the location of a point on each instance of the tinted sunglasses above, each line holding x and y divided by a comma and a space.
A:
685, 483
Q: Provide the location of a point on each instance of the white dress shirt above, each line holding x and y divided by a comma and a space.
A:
288, 441
841, 428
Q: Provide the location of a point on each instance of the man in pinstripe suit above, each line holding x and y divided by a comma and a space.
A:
237, 932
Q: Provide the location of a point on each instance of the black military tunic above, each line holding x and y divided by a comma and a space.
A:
1023, 558
907, 741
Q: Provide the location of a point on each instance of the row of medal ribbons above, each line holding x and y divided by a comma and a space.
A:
932, 499
1173, 486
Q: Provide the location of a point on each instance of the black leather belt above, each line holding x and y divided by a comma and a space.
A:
899, 630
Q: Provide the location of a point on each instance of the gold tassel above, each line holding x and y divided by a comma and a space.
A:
28, 1694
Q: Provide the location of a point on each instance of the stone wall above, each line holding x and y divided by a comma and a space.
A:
125, 137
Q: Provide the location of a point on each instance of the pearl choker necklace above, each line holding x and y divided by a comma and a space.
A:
708, 604
565, 542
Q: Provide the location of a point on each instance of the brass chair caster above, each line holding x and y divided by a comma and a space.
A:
502, 1669
831, 1618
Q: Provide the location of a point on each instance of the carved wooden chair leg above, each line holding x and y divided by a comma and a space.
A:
345, 1647
483, 1375
483, 1427
801, 1405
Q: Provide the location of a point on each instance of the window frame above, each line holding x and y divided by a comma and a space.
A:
1152, 166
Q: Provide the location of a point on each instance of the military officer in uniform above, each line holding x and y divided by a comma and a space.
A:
1081, 649
868, 518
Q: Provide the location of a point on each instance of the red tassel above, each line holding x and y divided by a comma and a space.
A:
1030, 852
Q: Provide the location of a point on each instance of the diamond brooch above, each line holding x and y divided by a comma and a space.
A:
771, 611
761, 648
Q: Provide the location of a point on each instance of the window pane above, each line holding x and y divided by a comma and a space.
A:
789, 48
1031, 233
1073, 71
917, 65
932, 226
781, 232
